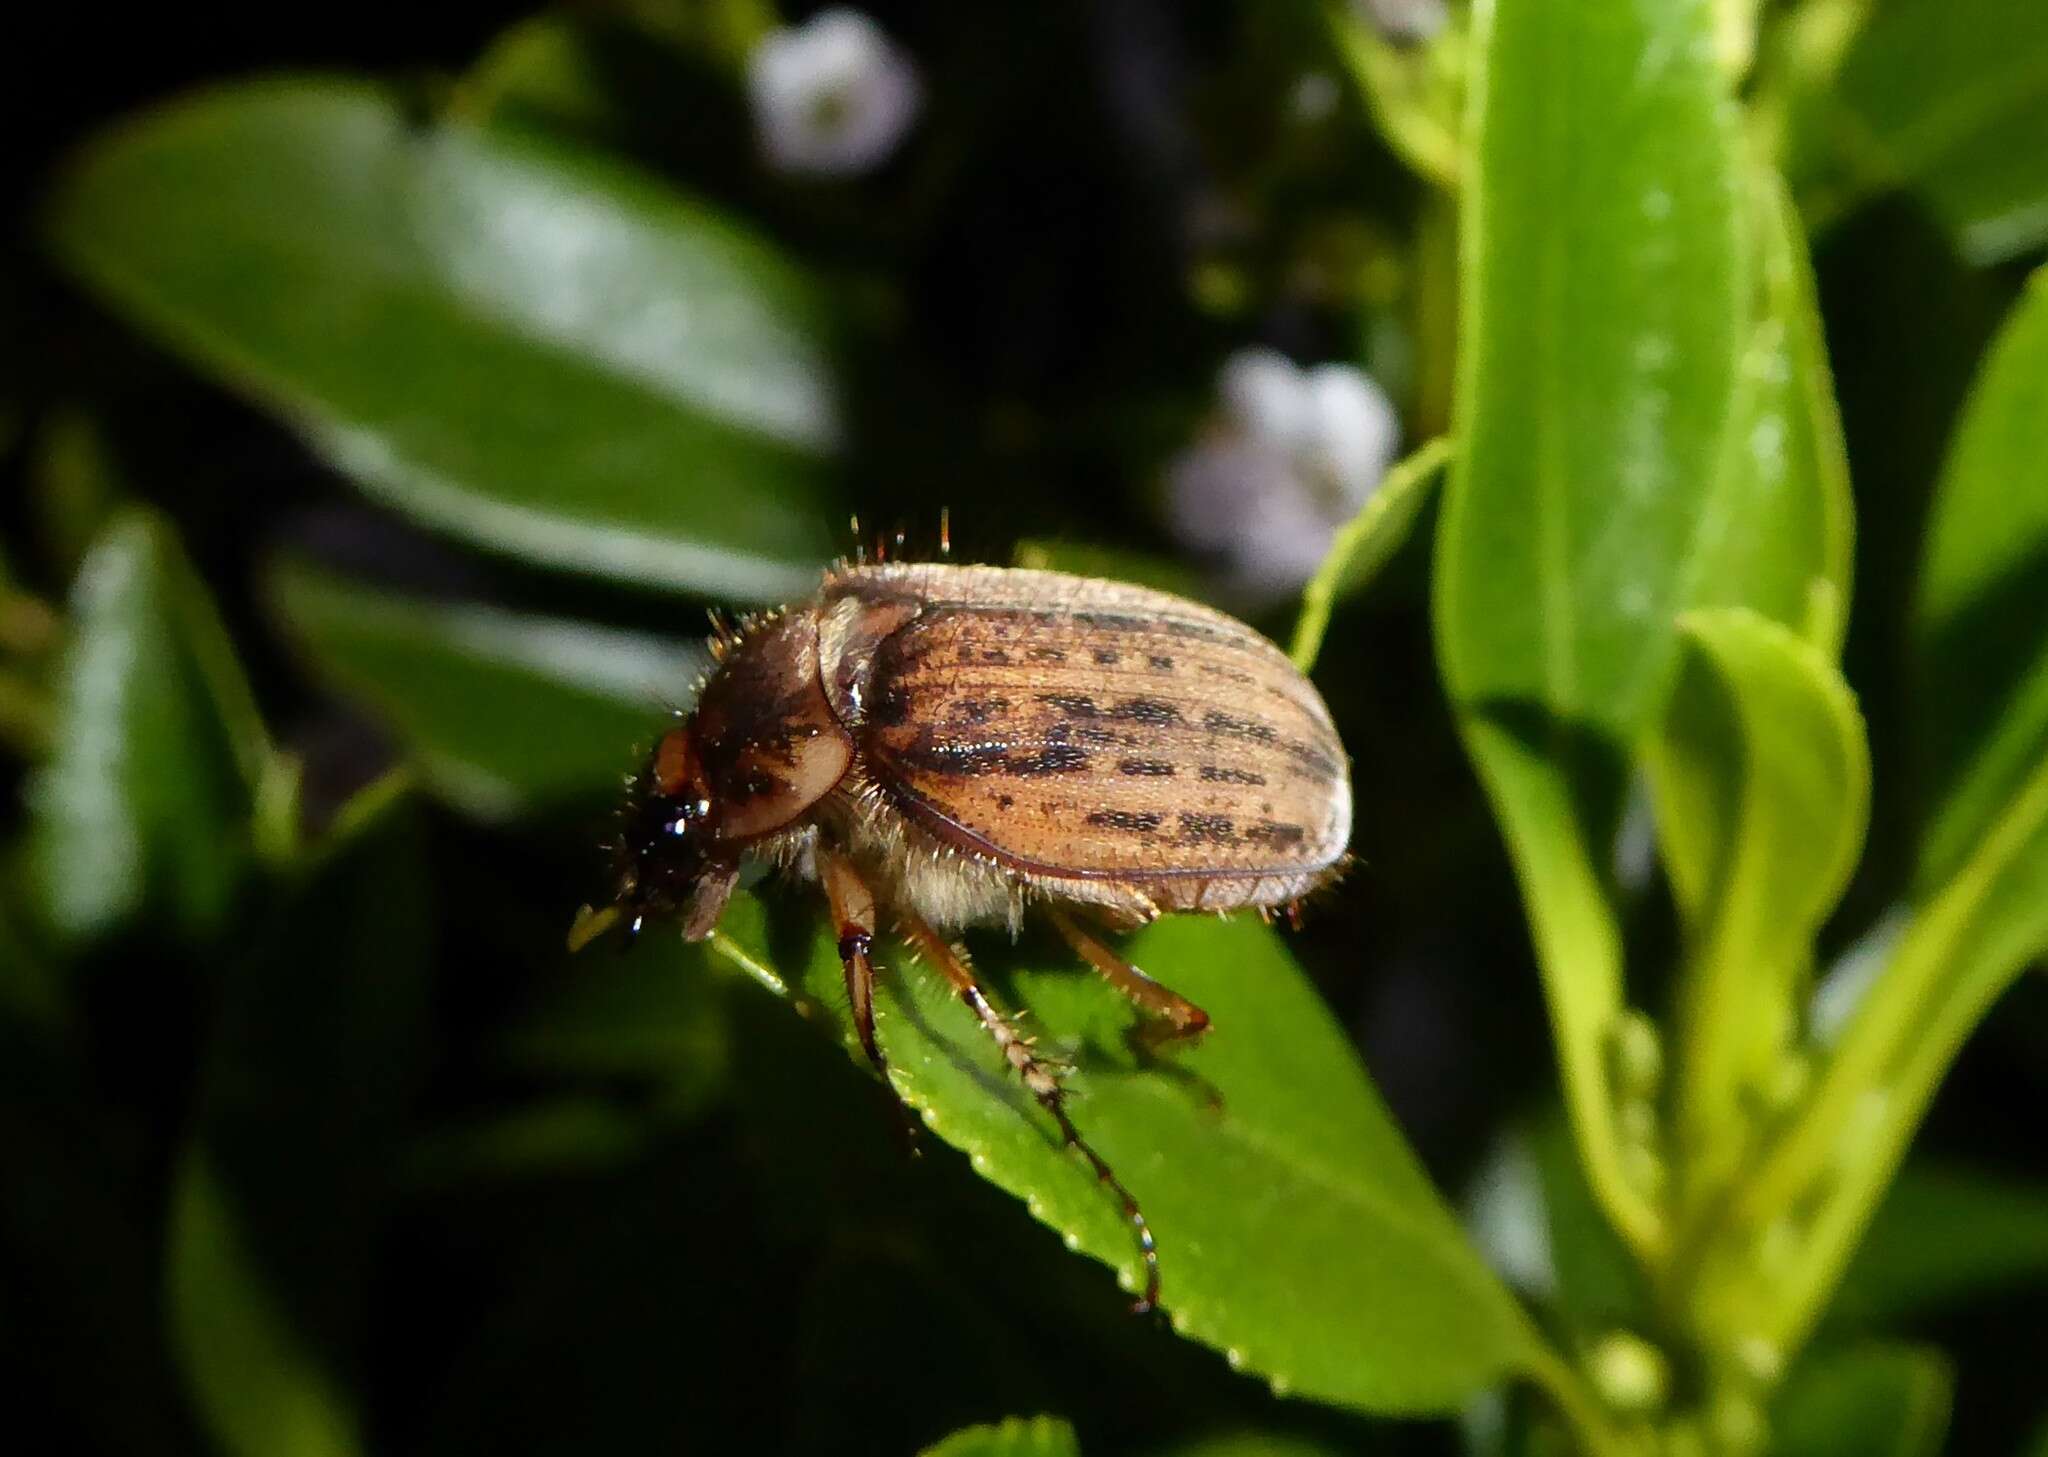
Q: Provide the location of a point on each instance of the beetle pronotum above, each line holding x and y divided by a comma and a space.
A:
956, 744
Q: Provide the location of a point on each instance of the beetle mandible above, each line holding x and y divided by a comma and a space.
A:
958, 744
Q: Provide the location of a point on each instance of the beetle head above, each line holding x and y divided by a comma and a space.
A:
671, 860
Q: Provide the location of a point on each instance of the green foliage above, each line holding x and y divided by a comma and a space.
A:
1014, 1437
1602, 306
503, 711
1889, 1401
1365, 544
1347, 1221
1949, 99
1981, 617
144, 803
559, 399
326, 1143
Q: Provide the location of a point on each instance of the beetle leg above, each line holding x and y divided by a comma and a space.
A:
1178, 1017
952, 961
853, 918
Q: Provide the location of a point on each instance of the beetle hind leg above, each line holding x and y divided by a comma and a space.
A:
1039, 1080
1173, 1016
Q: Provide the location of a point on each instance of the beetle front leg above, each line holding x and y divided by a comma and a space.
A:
853, 921
1038, 1078
1177, 1016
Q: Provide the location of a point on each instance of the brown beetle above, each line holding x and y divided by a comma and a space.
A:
957, 743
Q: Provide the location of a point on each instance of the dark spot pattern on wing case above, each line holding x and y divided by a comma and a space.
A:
1207, 829
1136, 823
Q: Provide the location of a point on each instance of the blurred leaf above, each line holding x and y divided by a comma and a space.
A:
144, 803
504, 712
1777, 537
1365, 544
525, 346
1345, 1278
1873, 1401
275, 1209
1602, 315
1011, 1437
1251, 1444
1598, 1285
542, 1139
1943, 1236
657, 1017
1762, 780
543, 68
77, 484
1410, 91
1948, 99
1981, 621
1962, 947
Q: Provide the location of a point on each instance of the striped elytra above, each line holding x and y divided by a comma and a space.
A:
958, 745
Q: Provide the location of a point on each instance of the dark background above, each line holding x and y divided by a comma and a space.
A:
771, 1273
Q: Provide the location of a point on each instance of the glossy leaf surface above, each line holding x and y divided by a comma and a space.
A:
143, 805
525, 346
1602, 310
1344, 1279
1777, 535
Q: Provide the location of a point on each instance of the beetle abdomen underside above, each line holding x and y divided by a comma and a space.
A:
1120, 733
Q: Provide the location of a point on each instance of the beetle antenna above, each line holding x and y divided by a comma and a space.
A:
860, 547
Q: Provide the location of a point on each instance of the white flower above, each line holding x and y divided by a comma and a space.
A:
1293, 454
832, 96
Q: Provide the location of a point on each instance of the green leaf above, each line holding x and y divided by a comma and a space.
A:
1367, 542
1778, 534
1602, 314
275, 1206
1011, 1437
520, 344
1344, 1278
1949, 100
503, 712
144, 803
1872, 1401
1942, 1237
1980, 632
1762, 780
1963, 946
1252, 1444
